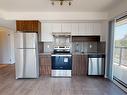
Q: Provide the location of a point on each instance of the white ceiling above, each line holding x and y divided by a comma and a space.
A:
45, 6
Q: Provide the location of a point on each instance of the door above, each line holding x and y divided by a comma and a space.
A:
82, 29
120, 52
26, 63
19, 63
66, 27
25, 40
96, 66
75, 29
28, 25
61, 63
30, 68
57, 27
97, 28
46, 35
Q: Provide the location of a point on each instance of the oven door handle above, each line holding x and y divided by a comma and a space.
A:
60, 55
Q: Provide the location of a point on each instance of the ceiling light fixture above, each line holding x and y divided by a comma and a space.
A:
61, 2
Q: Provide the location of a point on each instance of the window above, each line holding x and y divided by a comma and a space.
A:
120, 43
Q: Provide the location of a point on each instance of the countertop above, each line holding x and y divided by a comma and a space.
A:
87, 53
40, 54
75, 53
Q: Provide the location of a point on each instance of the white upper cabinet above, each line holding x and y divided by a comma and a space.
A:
75, 28
89, 29
56, 27
82, 29
46, 32
61, 27
86, 29
97, 28
66, 27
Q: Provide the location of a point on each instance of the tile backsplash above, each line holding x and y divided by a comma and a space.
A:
41, 47
84, 47
48, 47
101, 47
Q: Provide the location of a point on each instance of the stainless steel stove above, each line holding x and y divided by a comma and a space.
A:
61, 62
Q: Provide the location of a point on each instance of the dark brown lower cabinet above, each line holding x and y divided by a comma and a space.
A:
45, 65
79, 65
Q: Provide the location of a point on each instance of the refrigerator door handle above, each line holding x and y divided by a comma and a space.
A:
24, 61
24, 40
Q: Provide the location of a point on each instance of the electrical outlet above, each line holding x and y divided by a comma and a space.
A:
90, 46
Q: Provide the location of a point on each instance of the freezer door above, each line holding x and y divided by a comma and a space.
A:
26, 64
25, 40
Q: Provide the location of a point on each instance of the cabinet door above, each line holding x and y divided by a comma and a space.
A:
66, 27
82, 29
74, 30
89, 28
86, 29
57, 27
79, 65
46, 33
28, 26
97, 28
45, 65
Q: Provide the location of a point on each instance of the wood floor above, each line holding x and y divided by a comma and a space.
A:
55, 86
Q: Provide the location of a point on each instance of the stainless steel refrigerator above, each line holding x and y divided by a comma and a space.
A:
26, 53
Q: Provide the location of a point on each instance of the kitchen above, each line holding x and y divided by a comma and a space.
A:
61, 48
58, 53
91, 45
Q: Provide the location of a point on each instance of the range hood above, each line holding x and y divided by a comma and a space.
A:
64, 34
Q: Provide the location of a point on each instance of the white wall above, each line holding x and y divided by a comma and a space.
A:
11, 24
6, 46
8, 26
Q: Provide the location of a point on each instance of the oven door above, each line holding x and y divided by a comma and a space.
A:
61, 62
